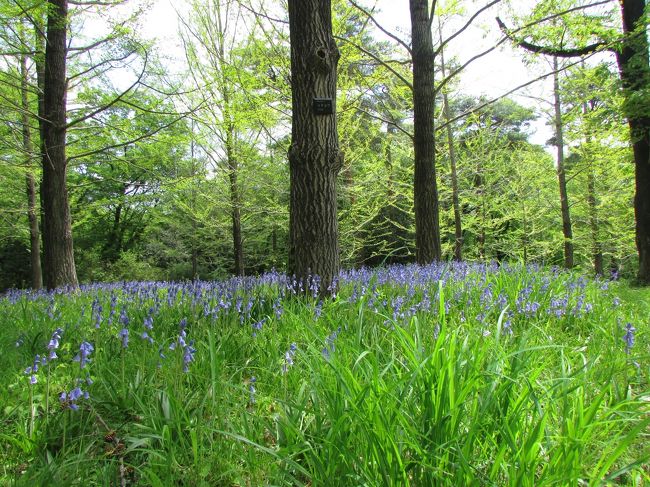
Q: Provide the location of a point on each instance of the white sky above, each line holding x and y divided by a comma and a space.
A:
492, 75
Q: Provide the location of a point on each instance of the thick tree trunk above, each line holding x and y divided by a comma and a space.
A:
32, 215
634, 68
567, 230
425, 191
59, 266
314, 155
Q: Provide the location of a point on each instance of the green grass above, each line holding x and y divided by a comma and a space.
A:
442, 376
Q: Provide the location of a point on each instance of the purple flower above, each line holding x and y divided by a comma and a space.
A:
124, 317
70, 399
628, 338
330, 344
148, 322
54, 341
288, 358
188, 355
85, 349
124, 336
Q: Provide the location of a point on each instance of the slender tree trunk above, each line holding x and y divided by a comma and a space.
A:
567, 230
195, 257
524, 234
425, 191
596, 245
231, 150
634, 67
314, 155
458, 229
59, 266
482, 232
235, 204
32, 215
593, 222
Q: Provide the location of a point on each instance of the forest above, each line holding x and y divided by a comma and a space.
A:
177, 169
324, 242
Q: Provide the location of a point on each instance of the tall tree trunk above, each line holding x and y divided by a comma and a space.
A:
314, 155
458, 228
231, 149
235, 204
596, 245
425, 191
59, 266
28, 147
567, 231
634, 67
593, 222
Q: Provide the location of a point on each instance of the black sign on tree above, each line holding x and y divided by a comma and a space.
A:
323, 106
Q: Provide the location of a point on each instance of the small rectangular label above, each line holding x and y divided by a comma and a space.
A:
323, 106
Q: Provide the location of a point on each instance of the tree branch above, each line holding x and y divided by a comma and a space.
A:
379, 60
115, 100
552, 51
494, 100
385, 31
389, 122
464, 27
129, 142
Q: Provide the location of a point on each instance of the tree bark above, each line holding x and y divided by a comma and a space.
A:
596, 246
235, 204
425, 191
634, 68
59, 266
567, 230
314, 155
28, 147
458, 228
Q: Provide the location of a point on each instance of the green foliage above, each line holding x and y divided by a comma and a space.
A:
449, 375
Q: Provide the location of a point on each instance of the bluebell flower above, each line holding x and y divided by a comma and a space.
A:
70, 399
124, 336
288, 358
330, 346
85, 349
188, 355
124, 317
628, 338
252, 390
54, 341
148, 322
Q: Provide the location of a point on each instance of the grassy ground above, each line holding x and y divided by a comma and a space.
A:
444, 375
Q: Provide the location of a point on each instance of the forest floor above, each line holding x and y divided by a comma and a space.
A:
451, 374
